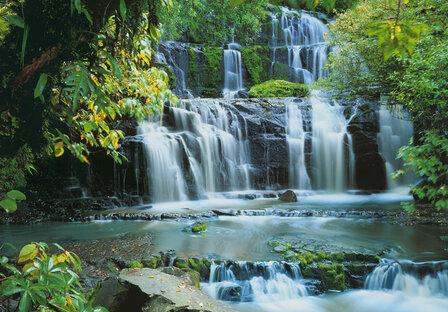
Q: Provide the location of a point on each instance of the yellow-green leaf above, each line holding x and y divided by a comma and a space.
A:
28, 252
9, 205
59, 149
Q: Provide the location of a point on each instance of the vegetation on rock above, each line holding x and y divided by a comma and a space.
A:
279, 88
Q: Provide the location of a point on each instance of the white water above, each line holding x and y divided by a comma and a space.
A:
208, 149
233, 73
394, 133
392, 286
258, 282
303, 35
295, 135
333, 158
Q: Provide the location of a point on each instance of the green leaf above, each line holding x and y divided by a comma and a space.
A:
16, 20
9, 205
16, 195
26, 31
123, 9
25, 303
114, 64
40, 85
11, 290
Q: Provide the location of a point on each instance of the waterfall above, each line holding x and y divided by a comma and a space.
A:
233, 73
206, 150
255, 282
416, 279
303, 36
394, 133
333, 158
295, 135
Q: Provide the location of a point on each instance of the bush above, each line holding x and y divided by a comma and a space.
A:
279, 88
43, 282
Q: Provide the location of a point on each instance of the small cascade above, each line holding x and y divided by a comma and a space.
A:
415, 279
333, 158
298, 175
303, 36
255, 282
164, 162
394, 133
205, 150
233, 73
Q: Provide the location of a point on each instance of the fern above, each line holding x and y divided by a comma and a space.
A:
79, 84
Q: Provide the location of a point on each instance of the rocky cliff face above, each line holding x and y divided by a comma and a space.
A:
264, 122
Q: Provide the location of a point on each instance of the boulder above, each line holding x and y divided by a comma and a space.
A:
288, 196
161, 292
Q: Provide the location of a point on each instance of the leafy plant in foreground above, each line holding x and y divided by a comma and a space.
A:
43, 282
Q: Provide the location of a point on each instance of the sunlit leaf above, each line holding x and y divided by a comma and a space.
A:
28, 252
16, 195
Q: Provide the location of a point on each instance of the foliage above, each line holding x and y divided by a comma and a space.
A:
193, 70
212, 65
71, 69
257, 60
326, 6
279, 88
392, 60
44, 282
429, 160
9, 202
209, 21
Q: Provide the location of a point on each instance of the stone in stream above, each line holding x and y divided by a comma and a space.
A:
288, 196
160, 292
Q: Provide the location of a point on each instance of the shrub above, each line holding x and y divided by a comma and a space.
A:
279, 88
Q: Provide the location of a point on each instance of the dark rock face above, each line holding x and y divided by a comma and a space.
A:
370, 166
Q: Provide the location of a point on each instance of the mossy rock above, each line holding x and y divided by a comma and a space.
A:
281, 71
279, 88
152, 262
288, 196
134, 264
212, 65
333, 276
257, 61
199, 227
193, 71
210, 93
195, 263
181, 263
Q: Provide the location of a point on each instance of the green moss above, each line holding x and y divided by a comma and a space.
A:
193, 72
333, 276
199, 227
357, 269
210, 93
181, 263
195, 276
195, 265
212, 66
257, 60
152, 262
280, 71
279, 88
169, 71
134, 264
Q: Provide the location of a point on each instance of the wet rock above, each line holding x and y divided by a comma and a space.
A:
162, 292
288, 196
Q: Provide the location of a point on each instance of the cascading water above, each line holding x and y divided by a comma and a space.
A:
418, 279
208, 149
394, 133
333, 158
295, 135
303, 36
233, 73
255, 282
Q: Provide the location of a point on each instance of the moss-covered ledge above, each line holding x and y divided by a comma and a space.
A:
279, 88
